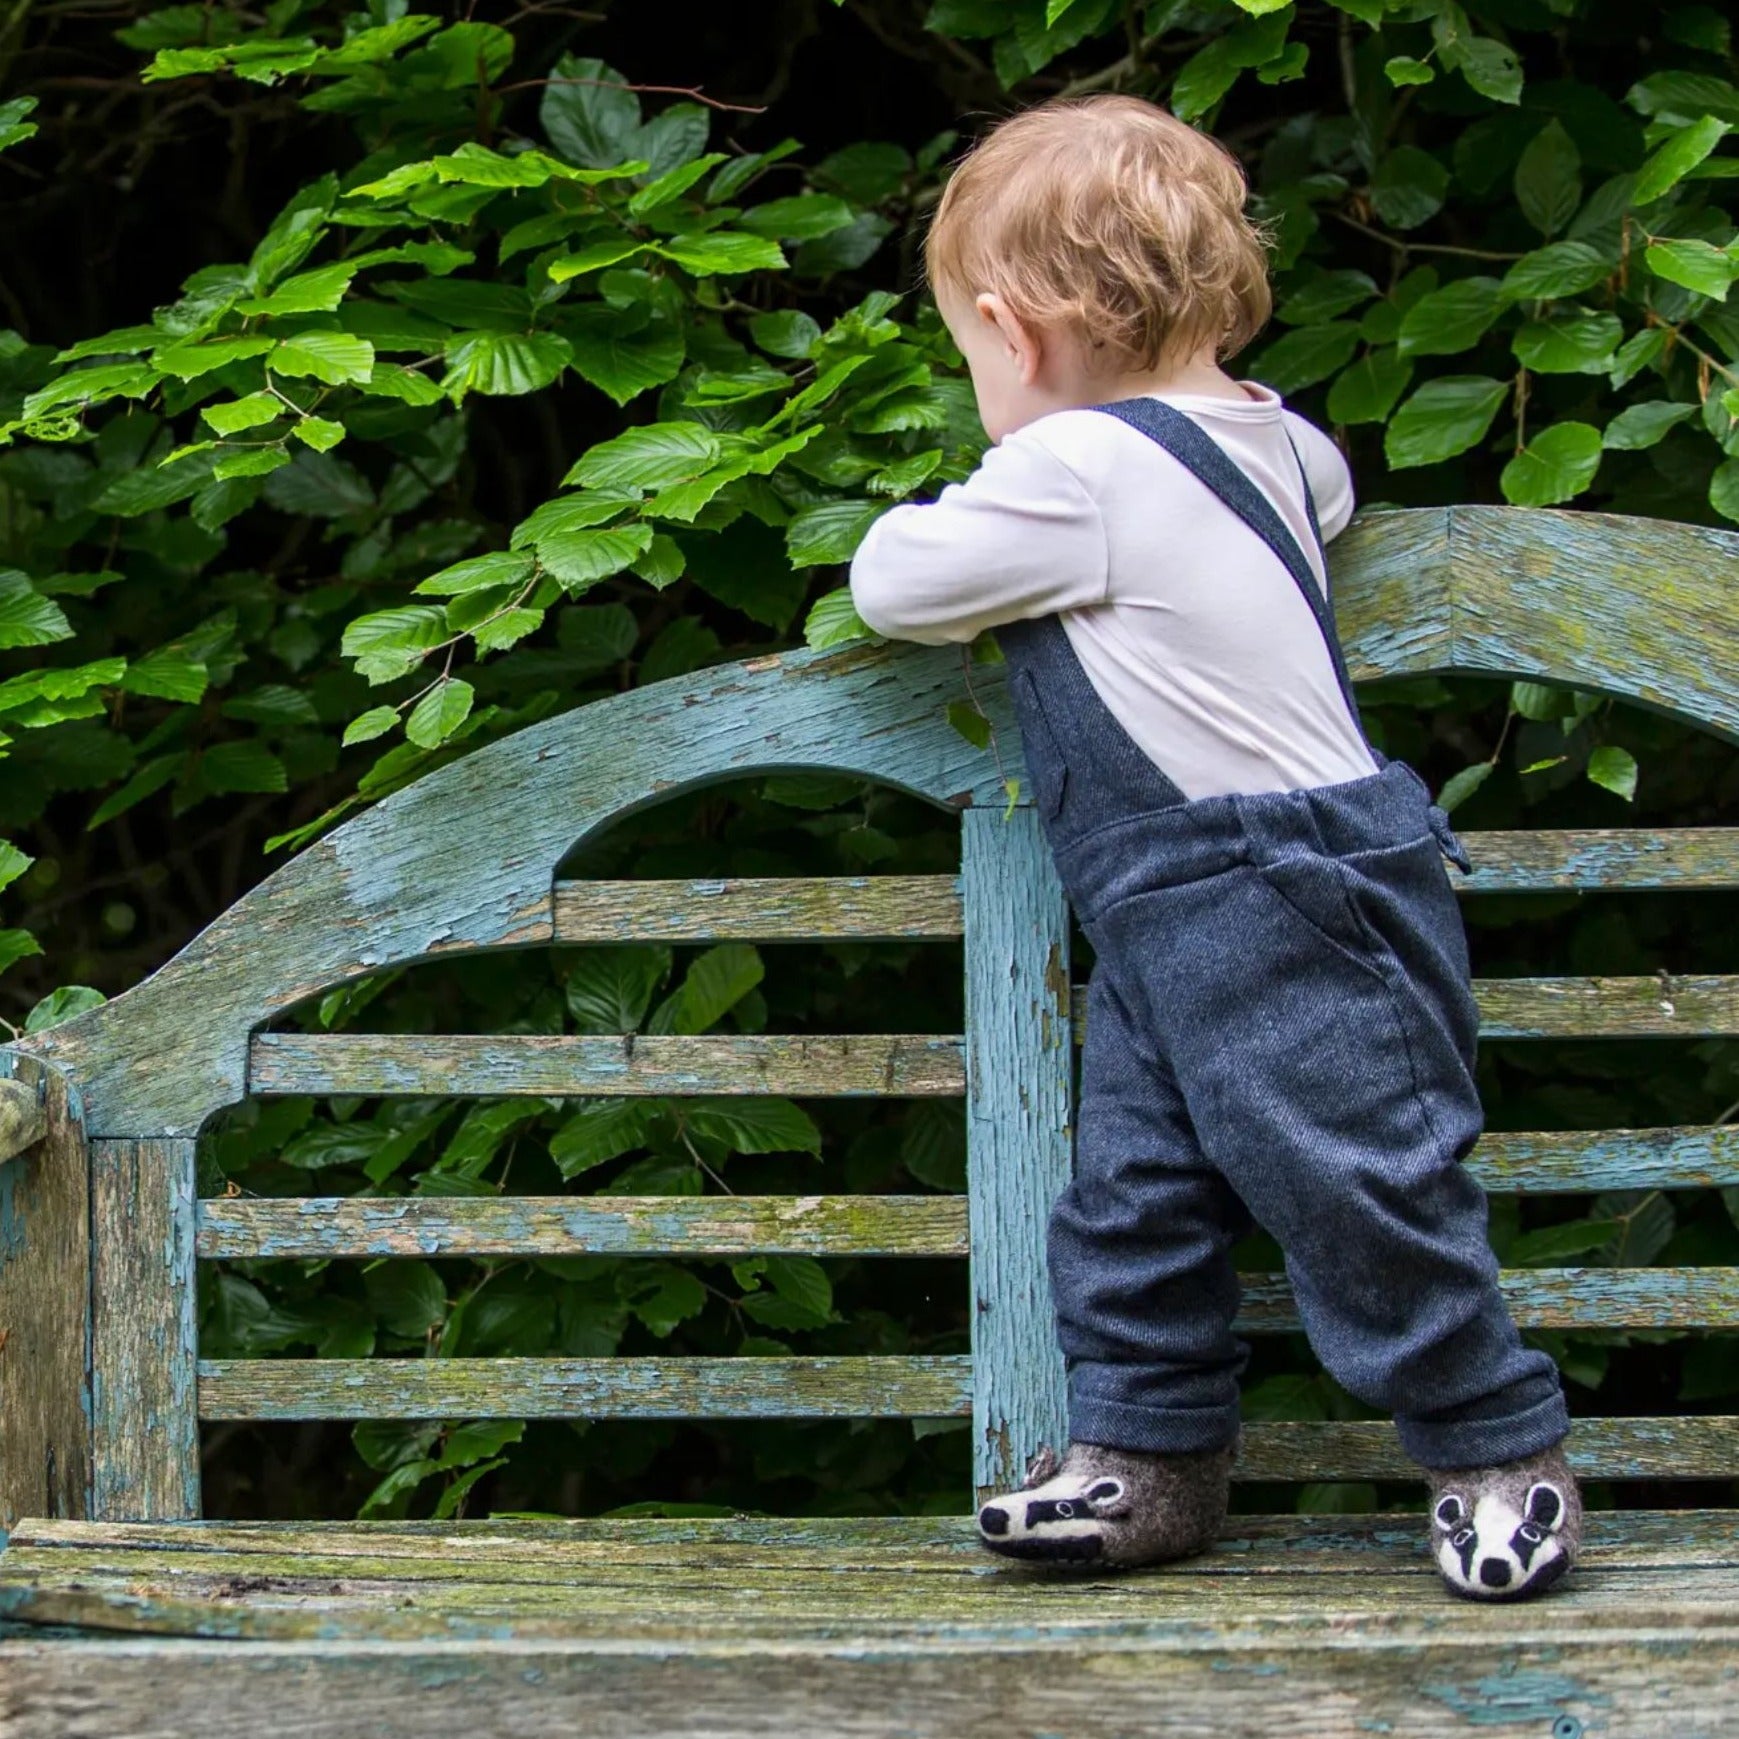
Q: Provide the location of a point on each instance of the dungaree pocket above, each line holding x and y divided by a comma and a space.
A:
1045, 765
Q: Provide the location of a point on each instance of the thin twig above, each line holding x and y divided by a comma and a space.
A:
1402, 247
694, 91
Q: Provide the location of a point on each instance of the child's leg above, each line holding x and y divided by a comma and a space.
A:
1144, 1294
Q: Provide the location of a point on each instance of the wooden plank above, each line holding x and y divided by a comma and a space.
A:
1581, 1008
144, 1427
1019, 1133
1428, 1670
236, 1228
1629, 858
1559, 1298
1573, 1161
772, 908
45, 1286
610, 1388
401, 1065
465, 859
1696, 1447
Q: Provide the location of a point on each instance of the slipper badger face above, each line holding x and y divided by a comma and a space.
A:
1059, 1521
1504, 1544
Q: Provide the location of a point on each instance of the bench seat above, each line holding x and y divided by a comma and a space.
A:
772, 1625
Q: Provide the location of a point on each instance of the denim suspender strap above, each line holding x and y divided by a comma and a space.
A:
1205, 460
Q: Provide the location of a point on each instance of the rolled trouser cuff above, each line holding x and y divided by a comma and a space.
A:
1098, 1418
1487, 1442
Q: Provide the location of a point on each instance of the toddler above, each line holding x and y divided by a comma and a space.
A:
1280, 1028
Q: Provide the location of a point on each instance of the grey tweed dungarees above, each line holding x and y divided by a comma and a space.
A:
1280, 1029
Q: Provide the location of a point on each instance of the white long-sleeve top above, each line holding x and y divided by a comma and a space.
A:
1186, 623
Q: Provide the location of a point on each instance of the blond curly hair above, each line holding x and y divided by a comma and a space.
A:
1108, 216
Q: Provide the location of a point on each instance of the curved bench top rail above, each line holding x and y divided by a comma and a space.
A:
465, 858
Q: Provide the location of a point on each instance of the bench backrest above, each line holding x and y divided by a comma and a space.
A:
101, 1386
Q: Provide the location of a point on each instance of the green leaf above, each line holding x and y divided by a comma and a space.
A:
970, 723
1556, 465
1724, 489
66, 1003
332, 357
609, 989
1569, 343
788, 333
389, 643
1695, 265
600, 1130
1550, 1245
588, 113
833, 621
1548, 179
620, 352
248, 413
499, 568
1491, 68
753, 1125
717, 981
1640, 426
320, 433
653, 456
1663, 171
1306, 355
1613, 769
503, 364
13, 863
672, 184
830, 531
440, 712
249, 461
190, 360
316, 292
1443, 418
799, 218
1408, 187
579, 559
166, 675
721, 252
26, 617
1560, 269
1462, 785
16, 945
1366, 391
408, 1297
376, 722
594, 258
242, 766
1452, 319
1403, 69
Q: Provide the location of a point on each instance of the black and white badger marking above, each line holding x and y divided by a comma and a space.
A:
1496, 1550
1057, 1521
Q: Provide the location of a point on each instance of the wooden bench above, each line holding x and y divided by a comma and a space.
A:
126, 1613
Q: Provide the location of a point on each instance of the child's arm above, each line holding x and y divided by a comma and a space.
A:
1020, 537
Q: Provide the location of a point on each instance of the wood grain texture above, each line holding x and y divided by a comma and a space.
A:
1586, 1298
1019, 1133
1416, 1680
236, 1228
45, 1302
1656, 1448
23, 1122
1630, 858
465, 859
606, 1388
1582, 1008
144, 1423
1558, 1162
772, 909
406, 1065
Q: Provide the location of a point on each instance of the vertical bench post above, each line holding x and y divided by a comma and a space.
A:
144, 1389
1019, 1134
45, 1448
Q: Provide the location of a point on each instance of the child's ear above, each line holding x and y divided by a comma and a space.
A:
1019, 340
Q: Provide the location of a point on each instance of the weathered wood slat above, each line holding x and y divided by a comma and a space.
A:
1573, 1161
144, 1424
774, 909
1583, 1008
1421, 1677
232, 1228
1560, 1298
394, 1064
1019, 1137
1664, 1448
613, 1388
45, 1301
1632, 858
1250, 1544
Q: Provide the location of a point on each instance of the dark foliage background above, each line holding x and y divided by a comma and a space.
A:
1503, 247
